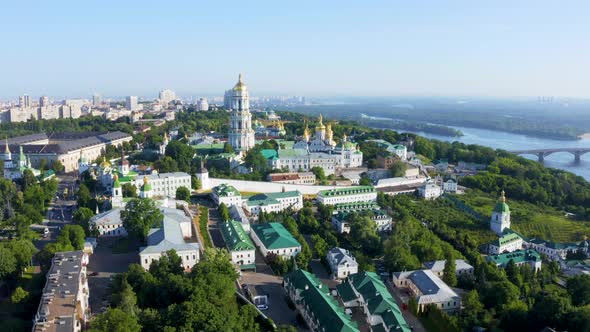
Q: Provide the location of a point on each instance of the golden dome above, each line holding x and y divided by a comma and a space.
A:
321, 124
240, 86
105, 163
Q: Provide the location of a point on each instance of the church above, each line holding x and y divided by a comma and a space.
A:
14, 169
237, 101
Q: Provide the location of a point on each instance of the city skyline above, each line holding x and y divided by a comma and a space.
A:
385, 49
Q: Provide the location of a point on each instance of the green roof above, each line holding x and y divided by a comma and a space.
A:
507, 237
270, 154
146, 187
275, 236
235, 237
501, 207
320, 304
347, 191
270, 198
287, 153
519, 256
225, 190
377, 297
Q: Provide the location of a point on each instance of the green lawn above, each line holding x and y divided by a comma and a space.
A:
532, 220
203, 221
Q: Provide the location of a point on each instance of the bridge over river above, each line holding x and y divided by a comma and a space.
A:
542, 153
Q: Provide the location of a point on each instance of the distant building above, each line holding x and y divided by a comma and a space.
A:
342, 263
239, 245
274, 238
176, 226
400, 150
429, 191
165, 184
226, 194
131, 103
166, 96
292, 178
500, 216
428, 289
366, 291
320, 311
43, 101
24, 101
450, 185
556, 251
383, 221
96, 100
438, 267
274, 202
347, 195
202, 104
520, 257
64, 300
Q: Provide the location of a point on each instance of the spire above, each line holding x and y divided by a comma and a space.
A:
6, 149
240, 80
321, 118
503, 196
145, 180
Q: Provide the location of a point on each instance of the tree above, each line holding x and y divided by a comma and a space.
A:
181, 153
449, 276
115, 320
8, 263
139, 215
166, 165
183, 194
126, 300
196, 183
512, 272
71, 237
82, 217
320, 246
227, 148
578, 287
223, 212
84, 197
28, 179
22, 250
398, 168
129, 190
57, 167
19, 295
319, 173
500, 293
472, 309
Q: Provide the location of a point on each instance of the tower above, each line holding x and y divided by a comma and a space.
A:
117, 193
306, 133
146, 189
320, 130
203, 176
22, 159
124, 167
7, 157
500, 216
164, 144
237, 100
329, 135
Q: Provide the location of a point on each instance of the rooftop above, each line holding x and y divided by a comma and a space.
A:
235, 237
63, 142
271, 198
346, 191
519, 256
341, 256
431, 287
110, 217
439, 266
225, 190
275, 236
169, 236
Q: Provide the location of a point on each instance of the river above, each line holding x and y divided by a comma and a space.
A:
508, 141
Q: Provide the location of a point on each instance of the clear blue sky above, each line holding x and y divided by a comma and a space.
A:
387, 48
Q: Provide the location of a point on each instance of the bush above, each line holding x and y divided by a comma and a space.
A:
19, 295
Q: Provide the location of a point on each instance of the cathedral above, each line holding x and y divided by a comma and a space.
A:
14, 169
322, 141
237, 101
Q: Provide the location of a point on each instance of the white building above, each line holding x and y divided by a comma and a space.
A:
292, 178
520, 257
239, 245
165, 96
165, 184
450, 186
237, 213
274, 238
342, 263
109, 223
131, 103
274, 202
226, 194
429, 191
428, 289
237, 100
509, 241
438, 267
64, 301
500, 216
555, 251
202, 104
383, 221
176, 227
347, 195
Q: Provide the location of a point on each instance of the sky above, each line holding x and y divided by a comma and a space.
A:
313, 48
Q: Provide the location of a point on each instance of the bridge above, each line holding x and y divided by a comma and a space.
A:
542, 153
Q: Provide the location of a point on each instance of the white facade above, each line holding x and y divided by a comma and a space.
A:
428, 289
500, 216
165, 96
227, 195
237, 100
461, 267
274, 202
131, 103
347, 195
165, 184
202, 105
450, 186
342, 263
109, 223
429, 191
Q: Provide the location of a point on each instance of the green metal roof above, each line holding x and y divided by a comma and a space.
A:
506, 238
225, 190
270, 154
235, 237
346, 191
324, 308
519, 256
501, 207
275, 236
270, 198
356, 206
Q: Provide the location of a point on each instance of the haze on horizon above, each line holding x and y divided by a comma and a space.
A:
314, 48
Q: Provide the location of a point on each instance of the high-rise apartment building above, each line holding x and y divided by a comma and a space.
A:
166, 96
131, 103
43, 101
